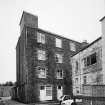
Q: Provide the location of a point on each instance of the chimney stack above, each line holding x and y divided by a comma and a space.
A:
84, 43
29, 20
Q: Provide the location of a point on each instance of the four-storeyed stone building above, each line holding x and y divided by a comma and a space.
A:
43, 62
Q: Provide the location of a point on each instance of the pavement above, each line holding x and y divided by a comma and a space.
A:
12, 102
8, 101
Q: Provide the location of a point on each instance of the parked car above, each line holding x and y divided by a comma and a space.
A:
67, 100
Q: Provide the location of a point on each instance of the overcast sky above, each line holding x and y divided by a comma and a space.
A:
74, 19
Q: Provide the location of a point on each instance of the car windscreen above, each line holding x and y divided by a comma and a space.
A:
67, 98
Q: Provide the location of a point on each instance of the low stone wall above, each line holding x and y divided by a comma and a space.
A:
87, 100
93, 102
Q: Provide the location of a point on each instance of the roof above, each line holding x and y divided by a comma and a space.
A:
60, 36
88, 45
102, 18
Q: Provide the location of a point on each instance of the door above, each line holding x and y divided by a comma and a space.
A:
42, 93
45, 92
49, 92
59, 92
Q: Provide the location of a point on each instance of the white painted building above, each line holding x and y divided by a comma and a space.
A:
88, 68
103, 46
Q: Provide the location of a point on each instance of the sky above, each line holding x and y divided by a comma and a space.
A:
73, 19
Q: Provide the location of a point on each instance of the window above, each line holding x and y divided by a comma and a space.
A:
41, 72
84, 80
41, 55
99, 78
72, 46
77, 91
67, 97
58, 43
76, 81
59, 58
59, 87
90, 60
41, 38
59, 74
42, 87
76, 65
85, 62
48, 90
93, 58
76, 68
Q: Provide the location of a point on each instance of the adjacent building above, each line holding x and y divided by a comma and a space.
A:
43, 62
88, 68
